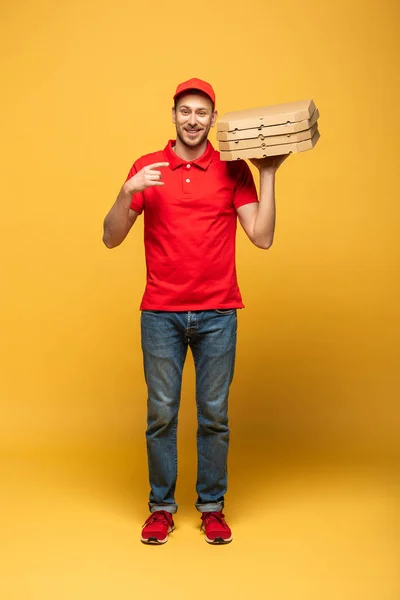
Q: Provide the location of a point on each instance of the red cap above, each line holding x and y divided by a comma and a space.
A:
195, 84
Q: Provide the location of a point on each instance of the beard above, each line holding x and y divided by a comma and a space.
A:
192, 143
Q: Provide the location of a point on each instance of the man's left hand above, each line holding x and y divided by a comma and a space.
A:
269, 163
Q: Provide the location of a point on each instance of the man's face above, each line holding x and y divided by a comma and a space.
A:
193, 118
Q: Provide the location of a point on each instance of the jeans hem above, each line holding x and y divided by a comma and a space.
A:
210, 507
170, 508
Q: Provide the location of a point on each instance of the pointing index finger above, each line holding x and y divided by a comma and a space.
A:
159, 164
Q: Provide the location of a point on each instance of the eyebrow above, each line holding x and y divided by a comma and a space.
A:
185, 106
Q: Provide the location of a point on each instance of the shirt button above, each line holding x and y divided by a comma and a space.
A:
187, 180
188, 166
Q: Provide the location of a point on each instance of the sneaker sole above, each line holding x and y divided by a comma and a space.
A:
218, 541
152, 541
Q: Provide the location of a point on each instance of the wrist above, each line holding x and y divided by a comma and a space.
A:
267, 172
127, 190
124, 196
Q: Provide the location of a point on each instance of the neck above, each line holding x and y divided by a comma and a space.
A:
188, 153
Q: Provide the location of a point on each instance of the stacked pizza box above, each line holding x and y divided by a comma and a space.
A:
268, 131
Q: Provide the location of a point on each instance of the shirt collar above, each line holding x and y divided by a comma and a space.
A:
203, 162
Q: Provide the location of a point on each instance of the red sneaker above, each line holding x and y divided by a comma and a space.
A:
157, 527
216, 528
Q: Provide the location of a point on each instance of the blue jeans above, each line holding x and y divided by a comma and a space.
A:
211, 335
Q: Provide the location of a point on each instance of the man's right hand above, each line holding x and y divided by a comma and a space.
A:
146, 177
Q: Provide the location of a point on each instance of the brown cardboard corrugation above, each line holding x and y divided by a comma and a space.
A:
278, 114
271, 150
271, 130
274, 140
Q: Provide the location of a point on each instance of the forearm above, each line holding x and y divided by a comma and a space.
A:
264, 224
117, 222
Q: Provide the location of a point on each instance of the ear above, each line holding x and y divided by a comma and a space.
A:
173, 115
214, 118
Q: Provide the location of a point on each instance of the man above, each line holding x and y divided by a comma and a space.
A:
191, 200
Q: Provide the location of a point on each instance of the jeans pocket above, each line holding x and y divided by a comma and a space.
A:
225, 311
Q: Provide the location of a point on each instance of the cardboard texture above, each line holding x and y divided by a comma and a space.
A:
274, 140
271, 150
279, 114
271, 130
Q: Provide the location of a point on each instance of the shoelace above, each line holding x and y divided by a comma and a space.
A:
213, 516
158, 515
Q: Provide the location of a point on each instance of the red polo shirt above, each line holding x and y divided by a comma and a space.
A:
190, 230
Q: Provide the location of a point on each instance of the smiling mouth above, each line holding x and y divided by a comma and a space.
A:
192, 131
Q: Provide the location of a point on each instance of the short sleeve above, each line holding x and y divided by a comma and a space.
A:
137, 200
245, 189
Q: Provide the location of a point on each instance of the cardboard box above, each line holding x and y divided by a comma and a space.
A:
279, 114
271, 150
273, 140
269, 130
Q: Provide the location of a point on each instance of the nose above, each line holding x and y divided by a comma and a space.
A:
192, 119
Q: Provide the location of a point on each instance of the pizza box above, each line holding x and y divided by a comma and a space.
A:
273, 140
271, 150
271, 130
279, 114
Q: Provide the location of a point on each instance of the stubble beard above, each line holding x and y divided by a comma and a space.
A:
193, 143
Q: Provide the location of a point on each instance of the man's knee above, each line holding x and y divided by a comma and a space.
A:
161, 420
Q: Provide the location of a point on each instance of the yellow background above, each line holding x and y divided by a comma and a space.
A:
87, 88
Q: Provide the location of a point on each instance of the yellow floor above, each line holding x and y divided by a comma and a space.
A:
70, 523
